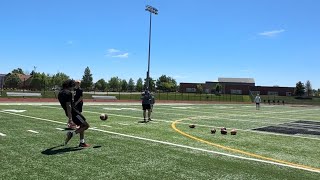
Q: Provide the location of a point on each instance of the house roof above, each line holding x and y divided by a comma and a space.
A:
24, 77
236, 80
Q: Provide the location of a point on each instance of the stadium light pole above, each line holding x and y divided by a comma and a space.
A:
151, 10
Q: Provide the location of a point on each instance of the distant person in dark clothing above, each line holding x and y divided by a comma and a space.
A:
78, 96
146, 105
65, 99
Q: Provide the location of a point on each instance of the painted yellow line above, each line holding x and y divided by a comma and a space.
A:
173, 125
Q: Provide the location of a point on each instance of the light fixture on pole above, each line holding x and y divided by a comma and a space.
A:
152, 10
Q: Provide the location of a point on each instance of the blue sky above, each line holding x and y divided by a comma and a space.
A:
276, 42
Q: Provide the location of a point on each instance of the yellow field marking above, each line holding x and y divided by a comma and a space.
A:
173, 125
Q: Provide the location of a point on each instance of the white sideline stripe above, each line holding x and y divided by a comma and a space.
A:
36, 132
60, 129
106, 126
178, 145
1, 134
210, 126
124, 124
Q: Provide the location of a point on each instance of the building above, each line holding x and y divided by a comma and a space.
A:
273, 90
241, 86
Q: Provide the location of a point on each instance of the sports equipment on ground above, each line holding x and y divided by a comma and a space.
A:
192, 126
233, 132
103, 117
224, 131
213, 131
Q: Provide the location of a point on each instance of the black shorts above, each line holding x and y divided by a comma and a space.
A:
78, 118
78, 107
257, 103
146, 106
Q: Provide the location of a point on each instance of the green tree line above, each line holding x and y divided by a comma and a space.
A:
19, 79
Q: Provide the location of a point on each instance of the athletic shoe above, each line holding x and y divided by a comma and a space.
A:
84, 145
69, 136
149, 119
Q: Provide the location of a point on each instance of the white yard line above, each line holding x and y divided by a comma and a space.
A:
106, 126
60, 129
32, 131
177, 145
123, 124
1, 134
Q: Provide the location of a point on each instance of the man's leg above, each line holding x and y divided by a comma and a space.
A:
144, 115
149, 115
81, 121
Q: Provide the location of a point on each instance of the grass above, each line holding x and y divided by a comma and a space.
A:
26, 155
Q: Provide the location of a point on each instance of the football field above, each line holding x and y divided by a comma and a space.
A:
275, 142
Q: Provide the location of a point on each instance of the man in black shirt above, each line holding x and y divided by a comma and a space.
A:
78, 96
65, 99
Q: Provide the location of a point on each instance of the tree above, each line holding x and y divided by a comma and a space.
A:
101, 85
152, 86
300, 89
58, 79
87, 80
124, 85
218, 88
114, 84
12, 81
199, 88
166, 83
131, 85
40, 81
308, 88
139, 85
17, 71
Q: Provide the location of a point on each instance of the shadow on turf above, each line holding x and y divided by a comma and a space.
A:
56, 150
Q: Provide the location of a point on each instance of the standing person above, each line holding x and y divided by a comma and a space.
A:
146, 105
257, 100
78, 96
152, 102
65, 99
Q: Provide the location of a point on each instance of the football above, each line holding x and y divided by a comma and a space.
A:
103, 117
213, 131
224, 131
233, 132
192, 126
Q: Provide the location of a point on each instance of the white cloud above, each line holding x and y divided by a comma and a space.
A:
115, 53
70, 42
123, 55
113, 50
271, 33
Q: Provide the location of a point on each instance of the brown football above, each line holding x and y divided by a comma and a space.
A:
233, 132
192, 126
213, 131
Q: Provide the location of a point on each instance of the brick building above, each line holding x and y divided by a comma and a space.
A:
243, 86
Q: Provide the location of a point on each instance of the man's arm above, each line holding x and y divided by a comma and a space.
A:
79, 100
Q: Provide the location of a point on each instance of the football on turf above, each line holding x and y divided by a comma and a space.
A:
213, 131
192, 126
233, 132
103, 117
224, 131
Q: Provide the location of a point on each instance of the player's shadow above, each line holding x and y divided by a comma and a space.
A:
60, 150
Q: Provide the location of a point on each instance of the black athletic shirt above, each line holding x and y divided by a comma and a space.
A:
78, 93
65, 96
